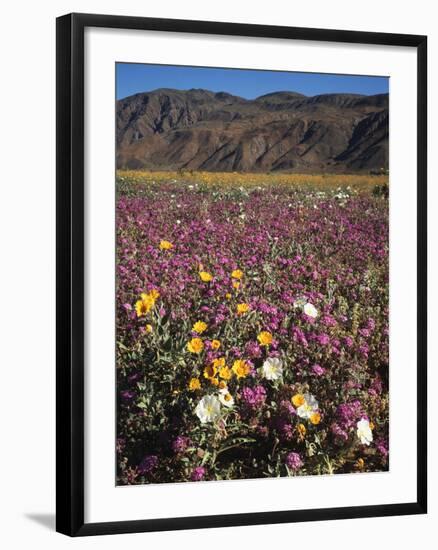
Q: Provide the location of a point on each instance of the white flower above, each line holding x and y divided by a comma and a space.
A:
309, 406
208, 409
272, 368
310, 310
226, 398
364, 432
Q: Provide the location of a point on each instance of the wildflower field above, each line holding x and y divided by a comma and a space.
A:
252, 326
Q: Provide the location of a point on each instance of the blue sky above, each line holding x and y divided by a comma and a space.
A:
132, 78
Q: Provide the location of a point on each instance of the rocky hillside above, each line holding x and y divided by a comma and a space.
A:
202, 130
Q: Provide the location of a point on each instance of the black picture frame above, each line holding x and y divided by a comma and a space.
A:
70, 273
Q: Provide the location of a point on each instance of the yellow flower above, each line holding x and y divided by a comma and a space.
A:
210, 371
241, 368
242, 309
196, 345
225, 373
372, 425
166, 245
222, 384
141, 308
219, 362
215, 344
148, 328
228, 296
214, 381
360, 464
301, 429
194, 384
236, 285
265, 338
237, 274
315, 418
298, 399
199, 327
148, 299
205, 276
146, 302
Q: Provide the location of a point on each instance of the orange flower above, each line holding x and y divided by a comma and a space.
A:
199, 327
315, 418
242, 309
194, 384
142, 307
265, 338
219, 362
210, 371
146, 302
166, 245
215, 344
298, 399
301, 429
154, 293
196, 345
241, 368
205, 276
237, 274
225, 373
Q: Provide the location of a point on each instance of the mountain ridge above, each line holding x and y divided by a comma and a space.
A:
199, 129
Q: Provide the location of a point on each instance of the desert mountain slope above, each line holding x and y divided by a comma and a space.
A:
202, 130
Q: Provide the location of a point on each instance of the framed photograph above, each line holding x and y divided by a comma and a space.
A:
241, 274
